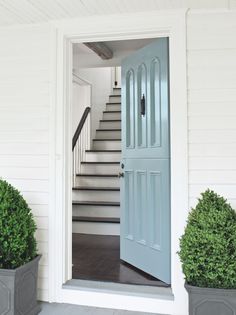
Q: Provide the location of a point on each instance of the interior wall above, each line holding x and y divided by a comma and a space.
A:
101, 81
81, 98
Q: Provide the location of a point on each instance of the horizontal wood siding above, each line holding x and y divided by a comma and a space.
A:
212, 103
24, 125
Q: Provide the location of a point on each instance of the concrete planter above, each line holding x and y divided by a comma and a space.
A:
18, 290
209, 301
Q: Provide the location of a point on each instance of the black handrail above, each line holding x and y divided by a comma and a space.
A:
80, 126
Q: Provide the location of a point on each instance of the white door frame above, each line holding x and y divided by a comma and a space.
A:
153, 24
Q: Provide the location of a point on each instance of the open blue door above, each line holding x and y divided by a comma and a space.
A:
145, 186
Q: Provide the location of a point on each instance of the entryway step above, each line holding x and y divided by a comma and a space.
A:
102, 155
96, 188
106, 144
95, 219
97, 228
116, 91
101, 180
97, 203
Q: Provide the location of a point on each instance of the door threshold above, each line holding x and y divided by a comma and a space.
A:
163, 293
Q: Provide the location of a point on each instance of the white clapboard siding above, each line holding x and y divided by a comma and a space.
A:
211, 103
24, 125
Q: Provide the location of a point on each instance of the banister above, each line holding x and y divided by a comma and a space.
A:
80, 126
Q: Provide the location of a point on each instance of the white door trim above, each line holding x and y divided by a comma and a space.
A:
117, 27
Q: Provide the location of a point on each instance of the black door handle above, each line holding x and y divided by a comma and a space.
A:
142, 103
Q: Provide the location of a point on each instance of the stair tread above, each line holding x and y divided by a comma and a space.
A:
113, 103
109, 120
96, 188
92, 162
97, 203
108, 129
97, 151
118, 95
107, 139
112, 111
95, 219
97, 175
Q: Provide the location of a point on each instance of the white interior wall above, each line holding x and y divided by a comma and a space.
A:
101, 81
81, 98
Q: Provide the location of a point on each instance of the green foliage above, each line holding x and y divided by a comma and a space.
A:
17, 228
208, 246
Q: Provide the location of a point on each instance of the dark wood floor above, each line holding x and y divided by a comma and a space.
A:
97, 257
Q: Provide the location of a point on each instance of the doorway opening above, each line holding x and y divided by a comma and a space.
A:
104, 101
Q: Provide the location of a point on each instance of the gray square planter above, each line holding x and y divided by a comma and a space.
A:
18, 290
210, 301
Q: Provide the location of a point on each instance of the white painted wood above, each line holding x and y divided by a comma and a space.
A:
96, 228
143, 25
24, 122
100, 156
95, 195
113, 106
97, 181
96, 211
115, 99
116, 134
110, 125
106, 145
111, 115
100, 168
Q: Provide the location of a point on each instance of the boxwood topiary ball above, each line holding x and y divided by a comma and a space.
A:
17, 228
208, 246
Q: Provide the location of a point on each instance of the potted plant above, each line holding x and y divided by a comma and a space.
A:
208, 256
18, 254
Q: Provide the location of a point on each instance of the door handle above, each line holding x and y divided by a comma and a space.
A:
143, 105
121, 174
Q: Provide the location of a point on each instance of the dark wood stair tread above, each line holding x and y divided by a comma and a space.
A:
84, 162
118, 95
97, 151
95, 219
97, 175
97, 203
108, 129
113, 103
96, 188
109, 120
111, 111
106, 139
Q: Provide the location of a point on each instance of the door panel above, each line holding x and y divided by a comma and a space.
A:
145, 187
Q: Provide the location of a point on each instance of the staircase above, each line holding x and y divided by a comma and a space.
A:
96, 193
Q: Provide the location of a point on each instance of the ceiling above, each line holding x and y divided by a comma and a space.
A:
35, 11
86, 58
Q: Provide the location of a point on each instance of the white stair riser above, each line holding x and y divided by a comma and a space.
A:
113, 107
96, 228
114, 99
96, 195
106, 145
116, 91
103, 156
108, 134
97, 181
96, 211
110, 125
107, 116
100, 168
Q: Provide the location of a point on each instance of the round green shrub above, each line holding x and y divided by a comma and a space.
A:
208, 246
17, 228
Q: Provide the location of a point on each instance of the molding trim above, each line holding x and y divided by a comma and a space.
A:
153, 24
